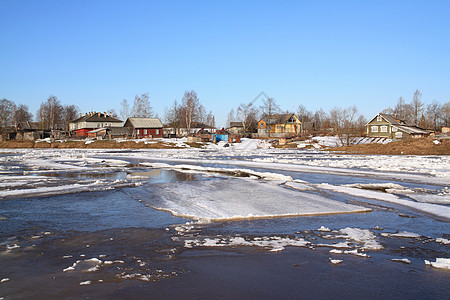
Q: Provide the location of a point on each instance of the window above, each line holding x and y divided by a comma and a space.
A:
137, 131
379, 119
374, 128
394, 129
262, 125
145, 131
398, 134
157, 131
383, 129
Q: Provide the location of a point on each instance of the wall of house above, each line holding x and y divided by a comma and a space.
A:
379, 127
83, 131
81, 125
148, 132
384, 129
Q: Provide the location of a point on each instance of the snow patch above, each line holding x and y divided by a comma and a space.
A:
440, 263
273, 243
401, 234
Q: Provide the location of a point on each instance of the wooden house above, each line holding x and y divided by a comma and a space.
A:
388, 126
29, 131
282, 125
92, 121
145, 127
174, 130
236, 128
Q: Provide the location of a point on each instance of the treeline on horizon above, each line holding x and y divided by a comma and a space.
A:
52, 114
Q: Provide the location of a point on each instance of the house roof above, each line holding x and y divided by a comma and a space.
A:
119, 131
412, 130
194, 125
97, 117
236, 124
390, 119
145, 123
277, 119
97, 130
28, 125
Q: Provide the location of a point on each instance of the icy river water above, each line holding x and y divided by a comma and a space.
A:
244, 224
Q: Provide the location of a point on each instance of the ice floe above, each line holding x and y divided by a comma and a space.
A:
238, 198
443, 241
432, 209
402, 260
351, 252
273, 243
401, 234
336, 261
364, 237
440, 263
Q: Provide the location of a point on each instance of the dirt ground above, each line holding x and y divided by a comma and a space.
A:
83, 145
424, 146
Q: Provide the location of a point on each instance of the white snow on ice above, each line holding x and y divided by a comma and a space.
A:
236, 198
440, 263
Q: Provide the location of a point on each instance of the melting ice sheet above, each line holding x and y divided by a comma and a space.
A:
237, 198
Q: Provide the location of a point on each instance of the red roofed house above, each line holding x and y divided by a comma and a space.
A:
92, 121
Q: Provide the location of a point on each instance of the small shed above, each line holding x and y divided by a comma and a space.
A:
99, 133
219, 137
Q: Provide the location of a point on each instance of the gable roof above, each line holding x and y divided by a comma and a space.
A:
28, 125
277, 119
97, 117
236, 124
144, 122
390, 119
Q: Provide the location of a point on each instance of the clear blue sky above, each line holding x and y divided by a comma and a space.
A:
317, 53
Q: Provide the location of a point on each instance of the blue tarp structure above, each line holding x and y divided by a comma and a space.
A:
219, 137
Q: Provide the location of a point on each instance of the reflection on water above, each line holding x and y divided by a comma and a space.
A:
164, 176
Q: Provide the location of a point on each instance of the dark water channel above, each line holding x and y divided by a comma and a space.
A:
143, 254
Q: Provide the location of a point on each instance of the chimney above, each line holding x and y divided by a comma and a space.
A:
80, 115
99, 114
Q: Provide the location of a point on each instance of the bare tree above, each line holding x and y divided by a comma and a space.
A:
50, 113
270, 107
147, 110
345, 123
320, 118
211, 120
22, 114
247, 115
141, 107
231, 117
402, 110
388, 111
124, 109
190, 109
303, 114
417, 107
70, 113
433, 115
445, 114
7, 109
112, 112
172, 116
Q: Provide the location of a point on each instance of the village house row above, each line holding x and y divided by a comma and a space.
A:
101, 125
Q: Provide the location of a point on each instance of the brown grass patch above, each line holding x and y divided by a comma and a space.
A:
423, 146
83, 145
